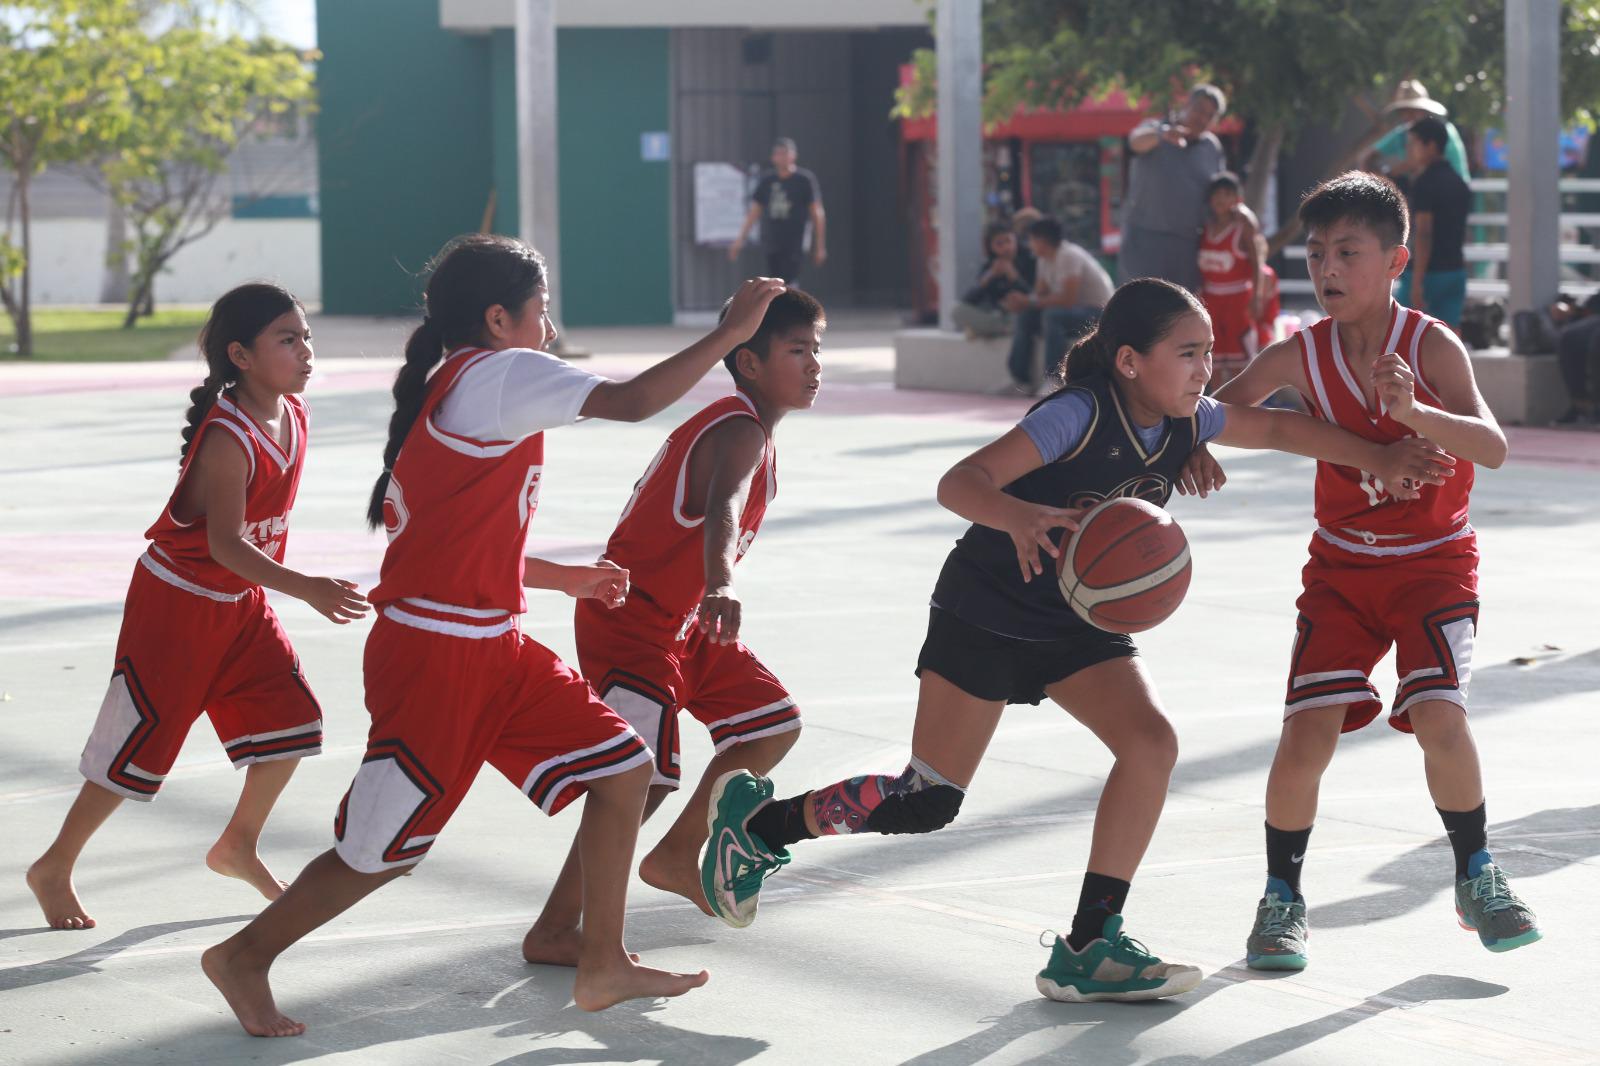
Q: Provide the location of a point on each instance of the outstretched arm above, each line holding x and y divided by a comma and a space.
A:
1402, 466
663, 384
604, 581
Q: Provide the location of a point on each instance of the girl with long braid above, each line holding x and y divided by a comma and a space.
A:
198, 636
451, 682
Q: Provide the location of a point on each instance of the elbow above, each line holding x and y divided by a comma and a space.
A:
1497, 452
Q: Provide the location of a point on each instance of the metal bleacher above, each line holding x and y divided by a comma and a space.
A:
1487, 277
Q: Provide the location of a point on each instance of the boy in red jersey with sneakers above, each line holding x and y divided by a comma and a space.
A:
674, 645
1383, 571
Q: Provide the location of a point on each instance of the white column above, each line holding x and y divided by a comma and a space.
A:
538, 196
958, 33
1533, 127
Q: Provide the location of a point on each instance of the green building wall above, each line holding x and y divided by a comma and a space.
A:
417, 137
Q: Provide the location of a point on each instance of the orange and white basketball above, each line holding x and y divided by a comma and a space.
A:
1126, 569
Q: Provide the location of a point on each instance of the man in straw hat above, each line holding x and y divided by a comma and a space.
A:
1410, 103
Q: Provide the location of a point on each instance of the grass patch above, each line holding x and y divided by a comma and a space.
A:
98, 336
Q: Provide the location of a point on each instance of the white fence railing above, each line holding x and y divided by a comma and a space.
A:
1496, 252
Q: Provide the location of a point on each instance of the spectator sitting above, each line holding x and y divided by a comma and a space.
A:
980, 312
1068, 294
1578, 348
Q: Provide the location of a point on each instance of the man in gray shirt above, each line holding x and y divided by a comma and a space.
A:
1173, 162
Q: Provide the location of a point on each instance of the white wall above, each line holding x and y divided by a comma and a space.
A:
69, 260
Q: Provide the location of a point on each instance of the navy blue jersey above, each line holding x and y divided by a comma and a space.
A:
981, 582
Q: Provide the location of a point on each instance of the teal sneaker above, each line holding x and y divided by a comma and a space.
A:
1115, 967
1486, 905
737, 861
1278, 941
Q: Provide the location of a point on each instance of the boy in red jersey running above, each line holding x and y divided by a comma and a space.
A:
674, 645
1383, 571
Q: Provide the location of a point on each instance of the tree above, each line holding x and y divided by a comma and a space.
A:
64, 94
1285, 64
197, 96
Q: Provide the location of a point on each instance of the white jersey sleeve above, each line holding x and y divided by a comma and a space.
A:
514, 394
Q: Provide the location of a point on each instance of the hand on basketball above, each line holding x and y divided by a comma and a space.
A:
1410, 464
749, 307
335, 599
718, 616
1395, 385
604, 581
1030, 528
1202, 474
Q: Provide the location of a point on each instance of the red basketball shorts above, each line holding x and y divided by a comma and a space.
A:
185, 651
448, 692
1355, 607
1230, 322
647, 675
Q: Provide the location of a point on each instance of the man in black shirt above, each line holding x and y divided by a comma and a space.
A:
786, 199
1435, 280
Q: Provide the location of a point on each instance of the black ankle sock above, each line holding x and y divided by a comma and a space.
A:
1286, 853
1100, 898
1469, 833
782, 822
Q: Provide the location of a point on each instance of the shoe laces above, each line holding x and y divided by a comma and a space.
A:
1490, 886
766, 864
1127, 949
1279, 918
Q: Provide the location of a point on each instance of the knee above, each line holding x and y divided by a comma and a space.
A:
1153, 747
923, 811
1309, 738
1439, 727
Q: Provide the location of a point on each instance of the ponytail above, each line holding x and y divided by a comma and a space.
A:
1089, 357
423, 352
470, 275
239, 315
1139, 315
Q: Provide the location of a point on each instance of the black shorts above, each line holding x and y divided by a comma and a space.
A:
786, 264
992, 667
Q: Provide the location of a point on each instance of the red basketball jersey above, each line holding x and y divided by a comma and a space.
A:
457, 510
1354, 508
181, 550
658, 538
1224, 263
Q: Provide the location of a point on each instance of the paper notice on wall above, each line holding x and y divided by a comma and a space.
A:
720, 203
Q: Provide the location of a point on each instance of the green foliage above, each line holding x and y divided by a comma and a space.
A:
1284, 63
65, 71
198, 92
64, 80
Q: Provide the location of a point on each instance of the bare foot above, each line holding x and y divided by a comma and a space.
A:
554, 947
676, 874
246, 865
248, 993
57, 897
600, 986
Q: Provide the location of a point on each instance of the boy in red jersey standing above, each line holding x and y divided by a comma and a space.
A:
1232, 281
674, 645
1383, 571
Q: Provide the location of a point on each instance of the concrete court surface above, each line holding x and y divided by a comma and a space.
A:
871, 950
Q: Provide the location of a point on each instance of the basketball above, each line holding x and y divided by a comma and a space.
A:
1126, 569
